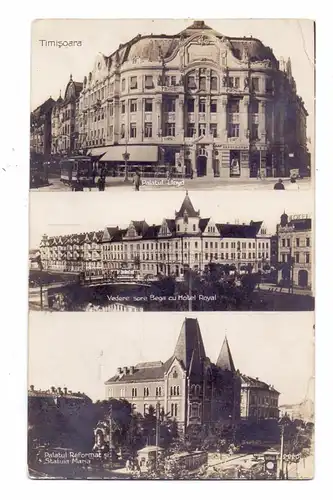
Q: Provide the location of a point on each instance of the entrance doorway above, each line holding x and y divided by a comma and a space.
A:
201, 166
303, 278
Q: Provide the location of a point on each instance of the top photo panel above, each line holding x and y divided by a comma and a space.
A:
166, 104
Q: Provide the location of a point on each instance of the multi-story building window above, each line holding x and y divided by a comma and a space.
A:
213, 129
133, 82
134, 392
123, 84
307, 258
123, 107
234, 82
174, 410
122, 131
190, 105
307, 242
194, 410
213, 83
148, 105
213, 106
254, 131
133, 105
133, 130
145, 392
170, 129
202, 105
158, 391
190, 130
202, 129
148, 129
170, 104
202, 83
234, 130
149, 82
297, 242
297, 257
255, 84
191, 82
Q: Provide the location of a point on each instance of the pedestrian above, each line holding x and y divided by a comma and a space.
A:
100, 183
137, 181
279, 185
93, 176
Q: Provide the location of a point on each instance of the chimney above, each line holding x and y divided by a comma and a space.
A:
53, 389
131, 370
65, 391
119, 371
59, 390
32, 388
125, 370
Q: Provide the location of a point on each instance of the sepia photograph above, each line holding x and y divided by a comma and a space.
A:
171, 396
171, 251
157, 104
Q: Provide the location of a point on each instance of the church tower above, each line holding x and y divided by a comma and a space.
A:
187, 219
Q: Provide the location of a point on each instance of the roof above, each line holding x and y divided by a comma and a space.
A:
188, 208
225, 361
190, 348
256, 383
239, 230
142, 371
157, 47
148, 232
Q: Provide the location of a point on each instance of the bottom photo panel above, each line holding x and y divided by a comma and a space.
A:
171, 396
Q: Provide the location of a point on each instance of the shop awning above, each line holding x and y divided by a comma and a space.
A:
137, 154
97, 152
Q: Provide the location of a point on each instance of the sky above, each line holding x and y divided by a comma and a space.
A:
64, 213
278, 348
52, 66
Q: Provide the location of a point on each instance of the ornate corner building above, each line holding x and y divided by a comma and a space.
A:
190, 388
207, 104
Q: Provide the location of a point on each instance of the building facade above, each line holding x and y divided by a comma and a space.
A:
187, 387
295, 247
41, 128
200, 101
187, 241
64, 128
258, 400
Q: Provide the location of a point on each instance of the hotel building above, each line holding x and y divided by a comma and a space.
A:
187, 241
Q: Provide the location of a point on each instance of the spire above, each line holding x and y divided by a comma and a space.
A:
188, 208
190, 349
225, 361
71, 77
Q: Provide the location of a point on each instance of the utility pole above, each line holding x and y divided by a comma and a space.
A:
190, 289
110, 437
280, 469
41, 295
157, 426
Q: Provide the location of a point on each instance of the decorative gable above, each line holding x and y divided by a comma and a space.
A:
164, 230
211, 229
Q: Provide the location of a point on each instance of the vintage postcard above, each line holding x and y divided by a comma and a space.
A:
157, 104
171, 175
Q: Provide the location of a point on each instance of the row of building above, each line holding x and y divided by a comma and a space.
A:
188, 386
207, 104
187, 241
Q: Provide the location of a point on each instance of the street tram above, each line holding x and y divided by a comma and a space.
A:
77, 170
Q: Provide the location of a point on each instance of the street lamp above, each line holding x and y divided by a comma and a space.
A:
126, 157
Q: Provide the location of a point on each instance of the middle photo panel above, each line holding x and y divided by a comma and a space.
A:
171, 251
